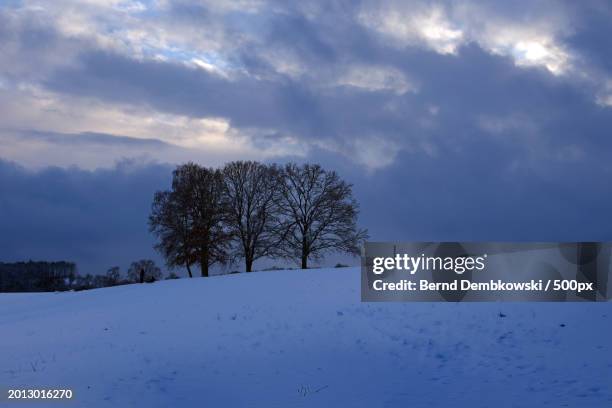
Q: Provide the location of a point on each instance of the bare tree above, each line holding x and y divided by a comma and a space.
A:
319, 213
189, 219
172, 220
210, 236
144, 270
251, 194
113, 276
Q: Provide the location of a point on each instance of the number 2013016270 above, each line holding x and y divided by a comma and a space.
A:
20, 393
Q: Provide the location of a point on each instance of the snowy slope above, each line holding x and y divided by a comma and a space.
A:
301, 339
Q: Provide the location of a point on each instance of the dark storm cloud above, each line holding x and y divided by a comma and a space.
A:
95, 218
474, 197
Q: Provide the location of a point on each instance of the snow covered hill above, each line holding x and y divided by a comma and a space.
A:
301, 339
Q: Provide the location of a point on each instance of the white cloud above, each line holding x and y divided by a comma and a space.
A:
121, 26
415, 25
375, 152
535, 40
376, 78
372, 152
528, 46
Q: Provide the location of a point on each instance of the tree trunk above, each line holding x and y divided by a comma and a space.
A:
204, 269
189, 270
204, 262
142, 273
305, 248
249, 265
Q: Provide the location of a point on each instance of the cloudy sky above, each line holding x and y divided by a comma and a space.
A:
454, 120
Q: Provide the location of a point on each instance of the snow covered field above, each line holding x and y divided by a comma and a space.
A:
301, 339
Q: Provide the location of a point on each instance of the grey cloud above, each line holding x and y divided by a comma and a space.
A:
86, 138
96, 218
89, 150
32, 47
463, 87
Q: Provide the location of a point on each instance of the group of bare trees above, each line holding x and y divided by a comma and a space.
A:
250, 210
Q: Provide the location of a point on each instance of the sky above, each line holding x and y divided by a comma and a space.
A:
461, 120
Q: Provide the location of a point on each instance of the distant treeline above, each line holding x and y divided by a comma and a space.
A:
61, 276
44, 276
36, 276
